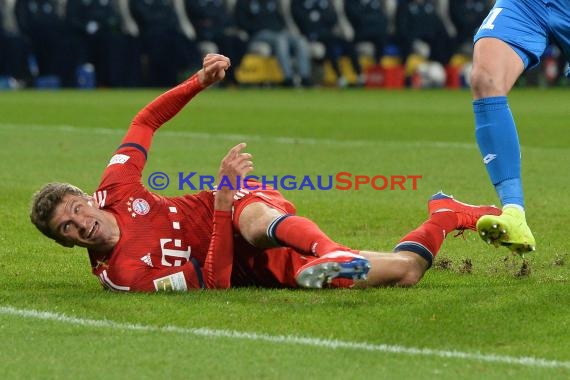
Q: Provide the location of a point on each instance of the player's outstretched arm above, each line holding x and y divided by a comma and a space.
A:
166, 106
218, 265
131, 156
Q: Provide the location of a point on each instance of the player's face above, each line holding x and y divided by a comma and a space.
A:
78, 221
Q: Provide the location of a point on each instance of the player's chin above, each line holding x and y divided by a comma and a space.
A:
84, 244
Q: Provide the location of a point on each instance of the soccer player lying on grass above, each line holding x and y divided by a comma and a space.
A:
140, 241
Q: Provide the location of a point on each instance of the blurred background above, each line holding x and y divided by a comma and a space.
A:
286, 43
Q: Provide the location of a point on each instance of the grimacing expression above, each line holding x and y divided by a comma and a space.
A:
78, 221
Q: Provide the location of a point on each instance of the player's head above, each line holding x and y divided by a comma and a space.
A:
68, 215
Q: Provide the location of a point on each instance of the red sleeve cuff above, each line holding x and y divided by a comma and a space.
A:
222, 214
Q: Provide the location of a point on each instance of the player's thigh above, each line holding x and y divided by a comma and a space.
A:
256, 210
496, 68
522, 24
253, 222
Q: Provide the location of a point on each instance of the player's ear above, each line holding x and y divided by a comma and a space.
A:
91, 201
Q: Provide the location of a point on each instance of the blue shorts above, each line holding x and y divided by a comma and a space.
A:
529, 27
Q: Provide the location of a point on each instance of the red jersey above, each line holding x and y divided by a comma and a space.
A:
159, 235
178, 243
164, 241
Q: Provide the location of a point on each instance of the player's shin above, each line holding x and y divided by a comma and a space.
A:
303, 235
426, 240
498, 142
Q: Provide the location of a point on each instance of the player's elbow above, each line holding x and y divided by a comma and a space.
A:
145, 119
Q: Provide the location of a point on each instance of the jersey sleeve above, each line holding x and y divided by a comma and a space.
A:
217, 269
128, 162
180, 278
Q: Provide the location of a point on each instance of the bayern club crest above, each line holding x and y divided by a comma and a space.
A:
139, 207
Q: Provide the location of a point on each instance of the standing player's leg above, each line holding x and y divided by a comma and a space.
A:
495, 69
499, 59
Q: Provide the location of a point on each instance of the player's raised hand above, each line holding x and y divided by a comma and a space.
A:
213, 69
235, 166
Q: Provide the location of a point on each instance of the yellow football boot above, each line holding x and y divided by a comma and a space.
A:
508, 229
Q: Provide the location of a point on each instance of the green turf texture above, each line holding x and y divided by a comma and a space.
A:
487, 309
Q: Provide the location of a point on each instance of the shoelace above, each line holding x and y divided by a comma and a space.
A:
460, 233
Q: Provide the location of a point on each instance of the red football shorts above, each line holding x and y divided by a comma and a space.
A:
274, 267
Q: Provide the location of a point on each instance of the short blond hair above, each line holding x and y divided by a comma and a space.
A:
44, 202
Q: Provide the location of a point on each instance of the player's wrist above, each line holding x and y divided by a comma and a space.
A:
198, 80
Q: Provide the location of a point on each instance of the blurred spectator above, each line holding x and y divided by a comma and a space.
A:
96, 30
317, 20
14, 50
420, 30
214, 23
168, 50
467, 16
370, 23
263, 21
42, 23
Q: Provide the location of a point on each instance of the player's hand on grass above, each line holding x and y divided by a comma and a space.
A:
235, 166
214, 69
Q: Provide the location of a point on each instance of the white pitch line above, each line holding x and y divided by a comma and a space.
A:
247, 138
287, 339
274, 139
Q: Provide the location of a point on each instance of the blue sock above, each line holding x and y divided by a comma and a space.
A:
498, 141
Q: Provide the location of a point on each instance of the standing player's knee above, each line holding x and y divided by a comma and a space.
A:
484, 83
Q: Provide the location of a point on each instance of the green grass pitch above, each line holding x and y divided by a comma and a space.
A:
475, 315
